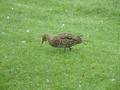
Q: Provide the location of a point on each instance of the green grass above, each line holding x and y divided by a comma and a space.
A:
26, 65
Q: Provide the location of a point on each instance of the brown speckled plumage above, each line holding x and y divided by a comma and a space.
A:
63, 40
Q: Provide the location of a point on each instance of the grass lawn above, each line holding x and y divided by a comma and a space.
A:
26, 65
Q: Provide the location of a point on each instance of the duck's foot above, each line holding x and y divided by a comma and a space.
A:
64, 49
70, 48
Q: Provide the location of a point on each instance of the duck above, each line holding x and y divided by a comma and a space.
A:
62, 40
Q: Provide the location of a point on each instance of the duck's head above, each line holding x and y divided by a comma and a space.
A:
44, 38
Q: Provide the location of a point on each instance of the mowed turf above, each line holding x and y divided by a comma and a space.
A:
26, 65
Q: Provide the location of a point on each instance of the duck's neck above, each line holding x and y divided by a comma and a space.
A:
50, 41
49, 38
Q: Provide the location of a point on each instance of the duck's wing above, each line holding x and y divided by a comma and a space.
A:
64, 36
64, 40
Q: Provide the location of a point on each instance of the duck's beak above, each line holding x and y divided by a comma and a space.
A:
42, 41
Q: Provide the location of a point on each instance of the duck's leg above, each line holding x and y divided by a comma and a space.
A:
70, 48
64, 49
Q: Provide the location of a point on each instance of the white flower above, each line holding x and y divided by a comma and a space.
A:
113, 79
8, 17
63, 25
28, 30
47, 80
23, 41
